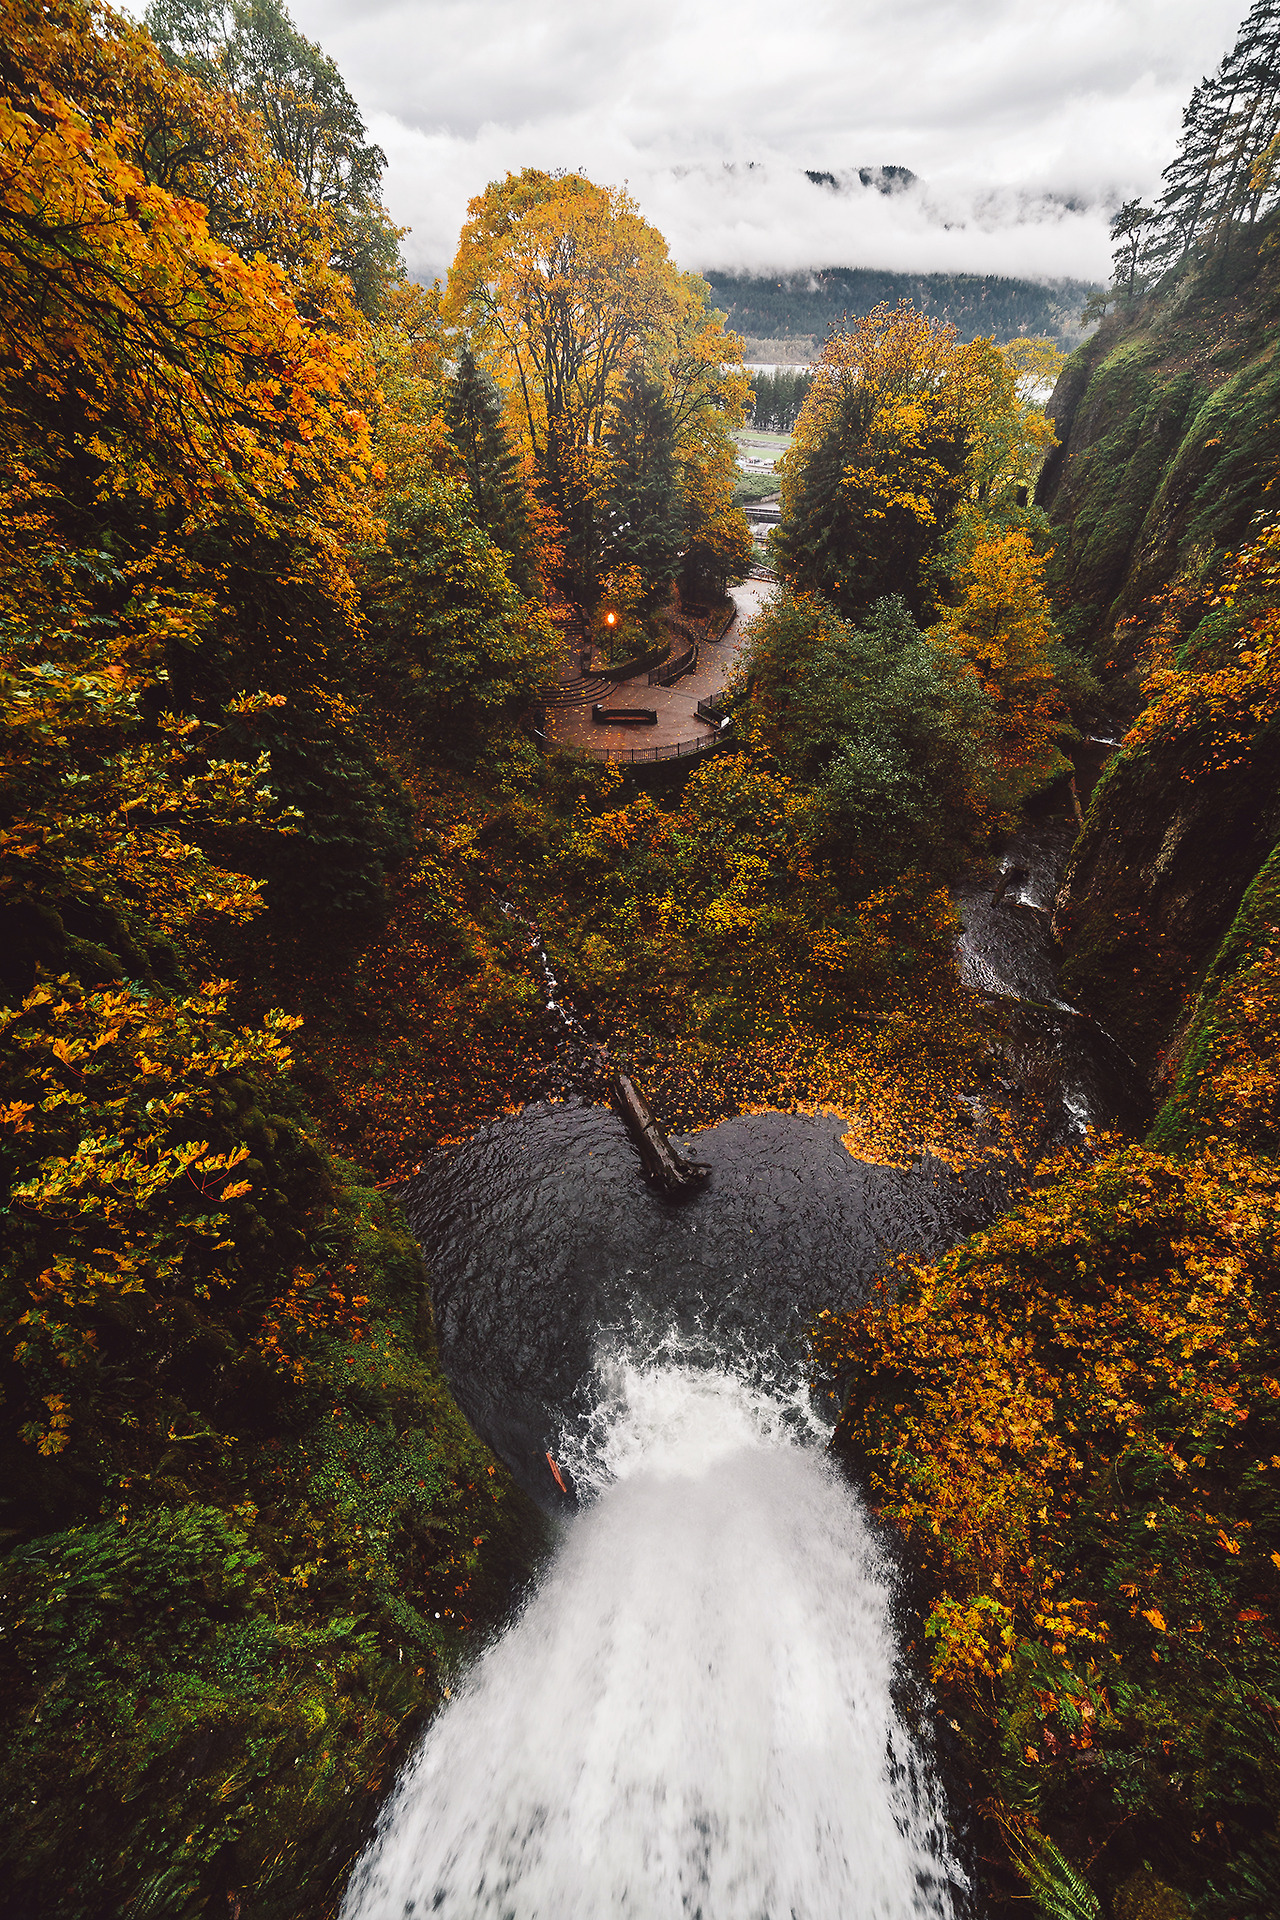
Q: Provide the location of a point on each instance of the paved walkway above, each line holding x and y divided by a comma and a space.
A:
676, 706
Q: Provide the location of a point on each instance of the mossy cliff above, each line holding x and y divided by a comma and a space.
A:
1169, 429
1168, 424
1154, 883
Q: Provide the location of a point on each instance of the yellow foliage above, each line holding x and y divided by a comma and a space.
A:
1003, 631
898, 370
560, 287
144, 356
1122, 1303
560, 284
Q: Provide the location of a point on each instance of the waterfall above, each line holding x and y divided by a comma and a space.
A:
693, 1715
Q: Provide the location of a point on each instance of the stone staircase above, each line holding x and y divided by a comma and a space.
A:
582, 692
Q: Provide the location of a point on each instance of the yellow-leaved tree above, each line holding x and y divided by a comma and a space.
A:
1003, 632
905, 430
563, 291
877, 467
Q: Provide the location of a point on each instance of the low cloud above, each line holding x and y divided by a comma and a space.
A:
1025, 121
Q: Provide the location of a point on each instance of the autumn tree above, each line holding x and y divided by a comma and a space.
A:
559, 286
212, 1353
908, 439
877, 467
1071, 1419
312, 124
718, 545
709, 394
1002, 393
1003, 631
1035, 364
186, 454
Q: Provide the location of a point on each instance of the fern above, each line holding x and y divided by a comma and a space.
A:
1059, 1892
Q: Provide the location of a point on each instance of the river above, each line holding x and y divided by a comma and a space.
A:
695, 1712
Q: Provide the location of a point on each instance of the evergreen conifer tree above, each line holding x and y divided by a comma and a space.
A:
473, 411
1129, 227
1223, 173
777, 398
763, 387
643, 519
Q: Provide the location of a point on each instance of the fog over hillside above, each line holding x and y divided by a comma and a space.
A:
1025, 122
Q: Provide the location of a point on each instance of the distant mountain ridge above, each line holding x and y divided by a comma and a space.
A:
883, 179
784, 311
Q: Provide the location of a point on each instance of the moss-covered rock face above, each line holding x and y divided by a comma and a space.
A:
1169, 423
1168, 420
1223, 1077
1154, 882
211, 1677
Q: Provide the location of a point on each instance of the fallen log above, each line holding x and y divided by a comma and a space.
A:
664, 1166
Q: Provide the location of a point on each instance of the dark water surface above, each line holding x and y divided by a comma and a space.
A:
548, 1251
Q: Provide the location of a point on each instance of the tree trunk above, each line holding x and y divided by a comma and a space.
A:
666, 1168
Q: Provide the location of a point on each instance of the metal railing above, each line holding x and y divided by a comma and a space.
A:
674, 750
638, 664
686, 662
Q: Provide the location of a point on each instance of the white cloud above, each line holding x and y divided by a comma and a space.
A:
1007, 109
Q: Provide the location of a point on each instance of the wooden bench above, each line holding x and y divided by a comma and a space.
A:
624, 716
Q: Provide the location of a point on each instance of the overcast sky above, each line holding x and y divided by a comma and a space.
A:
1026, 120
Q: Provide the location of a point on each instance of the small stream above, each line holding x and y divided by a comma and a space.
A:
694, 1713
1056, 1058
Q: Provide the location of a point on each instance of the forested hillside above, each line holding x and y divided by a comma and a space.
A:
273, 583
809, 305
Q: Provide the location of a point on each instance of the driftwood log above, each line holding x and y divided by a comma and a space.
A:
664, 1166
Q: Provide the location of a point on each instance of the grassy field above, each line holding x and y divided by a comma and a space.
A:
754, 486
754, 440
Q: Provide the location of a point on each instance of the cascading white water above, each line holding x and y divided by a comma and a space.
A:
693, 1714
